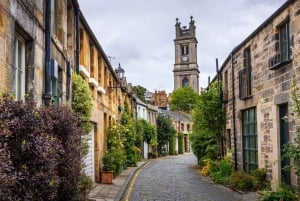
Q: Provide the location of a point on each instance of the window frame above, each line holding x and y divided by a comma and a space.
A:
245, 76
19, 85
185, 82
281, 45
249, 138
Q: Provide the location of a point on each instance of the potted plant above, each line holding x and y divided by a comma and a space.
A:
107, 169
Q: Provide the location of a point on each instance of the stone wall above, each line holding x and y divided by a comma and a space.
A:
270, 89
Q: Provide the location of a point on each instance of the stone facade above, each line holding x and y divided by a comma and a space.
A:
186, 71
109, 91
22, 54
39, 50
257, 78
160, 99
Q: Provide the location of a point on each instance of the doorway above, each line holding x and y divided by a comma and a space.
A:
284, 139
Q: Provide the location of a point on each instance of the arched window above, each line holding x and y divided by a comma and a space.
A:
185, 82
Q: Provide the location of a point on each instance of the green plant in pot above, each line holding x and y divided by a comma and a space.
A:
108, 162
108, 168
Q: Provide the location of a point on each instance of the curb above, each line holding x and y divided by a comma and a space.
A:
128, 179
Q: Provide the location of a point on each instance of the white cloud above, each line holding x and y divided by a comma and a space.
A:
140, 34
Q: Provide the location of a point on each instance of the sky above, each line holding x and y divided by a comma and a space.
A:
139, 34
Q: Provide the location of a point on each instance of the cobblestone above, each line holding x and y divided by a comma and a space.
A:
176, 178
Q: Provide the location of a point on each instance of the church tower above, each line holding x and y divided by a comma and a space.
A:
186, 71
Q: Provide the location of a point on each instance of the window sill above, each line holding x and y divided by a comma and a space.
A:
278, 65
246, 97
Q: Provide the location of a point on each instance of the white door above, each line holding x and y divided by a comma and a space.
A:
89, 164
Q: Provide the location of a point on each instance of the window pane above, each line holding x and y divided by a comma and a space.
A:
249, 139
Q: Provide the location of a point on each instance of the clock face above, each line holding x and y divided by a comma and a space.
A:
184, 58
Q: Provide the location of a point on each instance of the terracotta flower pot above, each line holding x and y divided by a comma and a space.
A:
107, 177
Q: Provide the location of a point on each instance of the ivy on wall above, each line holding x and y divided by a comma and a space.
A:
82, 101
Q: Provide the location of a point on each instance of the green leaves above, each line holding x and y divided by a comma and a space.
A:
165, 131
140, 92
82, 101
208, 123
183, 99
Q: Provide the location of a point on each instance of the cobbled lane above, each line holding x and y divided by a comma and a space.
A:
176, 178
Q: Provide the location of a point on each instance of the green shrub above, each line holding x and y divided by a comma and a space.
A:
260, 179
283, 193
180, 143
225, 167
242, 181
85, 185
40, 151
172, 144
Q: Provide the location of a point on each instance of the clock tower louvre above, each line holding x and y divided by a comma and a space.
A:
186, 71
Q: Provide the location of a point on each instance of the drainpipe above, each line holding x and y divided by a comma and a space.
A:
233, 113
77, 51
47, 92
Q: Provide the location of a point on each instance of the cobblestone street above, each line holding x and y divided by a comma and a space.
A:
176, 178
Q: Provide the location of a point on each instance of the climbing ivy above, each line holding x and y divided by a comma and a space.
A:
82, 101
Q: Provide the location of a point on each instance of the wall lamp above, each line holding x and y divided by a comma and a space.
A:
286, 116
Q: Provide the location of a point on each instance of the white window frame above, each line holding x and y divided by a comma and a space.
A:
19, 67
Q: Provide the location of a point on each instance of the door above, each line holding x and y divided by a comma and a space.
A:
89, 165
284, 139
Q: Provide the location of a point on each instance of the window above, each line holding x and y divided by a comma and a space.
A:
249, 137
245, 88
188, 127
19, 64
99, 70
225, 86
185, 82
280, 49
284, 42
56, 82
184, 50
182, 127
92, 64
58, 19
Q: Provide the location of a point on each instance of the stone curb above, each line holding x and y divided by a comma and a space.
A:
128, 179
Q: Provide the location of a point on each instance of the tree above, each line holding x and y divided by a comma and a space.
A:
183, 99
149, 131
208, 124
140, 92
165, 131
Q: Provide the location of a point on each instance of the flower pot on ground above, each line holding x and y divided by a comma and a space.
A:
107, 170
107, 177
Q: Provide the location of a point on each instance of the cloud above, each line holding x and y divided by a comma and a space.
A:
139, 34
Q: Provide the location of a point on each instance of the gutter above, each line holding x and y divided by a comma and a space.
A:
47, 93
77, 34
233, 112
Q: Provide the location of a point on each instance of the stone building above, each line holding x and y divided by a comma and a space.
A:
109, 92
182, 124
160, 99
41, 44
38, 49
186, 71
256, 79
